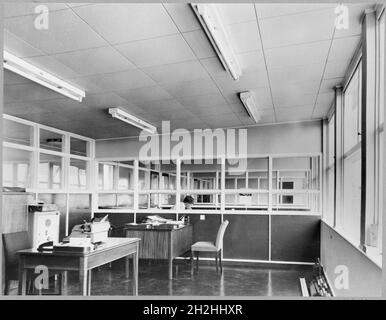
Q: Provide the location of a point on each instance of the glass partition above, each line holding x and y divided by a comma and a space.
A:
16, 168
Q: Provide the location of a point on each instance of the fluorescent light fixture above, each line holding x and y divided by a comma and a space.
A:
29, 71
211, 22
133, 120
250, 106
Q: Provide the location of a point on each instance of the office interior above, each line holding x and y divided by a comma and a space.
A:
303, 187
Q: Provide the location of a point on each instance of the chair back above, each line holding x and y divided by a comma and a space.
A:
14, 242
220, 234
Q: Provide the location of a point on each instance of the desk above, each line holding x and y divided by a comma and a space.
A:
157, 243
112, 249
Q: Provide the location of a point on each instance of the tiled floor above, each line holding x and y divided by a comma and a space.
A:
248, 280
272, 280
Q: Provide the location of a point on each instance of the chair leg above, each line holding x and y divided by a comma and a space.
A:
191, 261
7, 287
197, 259
219, 255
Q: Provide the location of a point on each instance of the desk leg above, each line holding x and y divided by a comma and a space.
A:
170, 255
22, 277
127, 267
89, 273
83, 276
135, 271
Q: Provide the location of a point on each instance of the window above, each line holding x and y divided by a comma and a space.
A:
51, 140
16, 168
330, 195
296, 184
79, 147
19, 133
50, 171
350, 220
78, 174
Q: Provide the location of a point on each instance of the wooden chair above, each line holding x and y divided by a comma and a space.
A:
205, 246
12, 243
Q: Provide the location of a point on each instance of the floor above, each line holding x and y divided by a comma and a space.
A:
247, 280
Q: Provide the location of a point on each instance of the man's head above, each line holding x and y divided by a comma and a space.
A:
188, 201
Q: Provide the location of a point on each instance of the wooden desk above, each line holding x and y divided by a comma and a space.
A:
162, 243
112, 249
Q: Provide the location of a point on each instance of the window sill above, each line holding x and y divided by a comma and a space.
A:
371, 253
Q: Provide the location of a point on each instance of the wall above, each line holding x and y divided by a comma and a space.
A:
301, 137
365, 277
293, 238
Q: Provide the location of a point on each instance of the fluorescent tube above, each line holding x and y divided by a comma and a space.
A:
29, 71
133, 120
211, 22
250, 106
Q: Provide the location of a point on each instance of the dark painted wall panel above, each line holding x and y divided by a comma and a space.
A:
295, 238
205, 230
246, 237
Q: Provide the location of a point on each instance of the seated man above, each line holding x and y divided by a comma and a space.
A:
186, 204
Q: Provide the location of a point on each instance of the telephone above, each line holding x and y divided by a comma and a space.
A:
46, 246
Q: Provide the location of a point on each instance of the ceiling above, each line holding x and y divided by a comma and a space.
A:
156, 62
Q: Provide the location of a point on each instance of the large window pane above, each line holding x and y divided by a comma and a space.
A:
78, 174
51, 140
79, 147
352, 196
16, 132
352, 111
50, 171
125, 181
16, 168
106, 176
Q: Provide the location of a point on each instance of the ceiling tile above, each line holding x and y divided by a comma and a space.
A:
336, 69
13, 78
295, 74
246, 82
183, 16
203, 101
199, 43
262, 97
184, 71
94, 61
326, 98
59, 37
296, 29
251, 62
328, 85
158, 51
21, 9
281, 9
214, 67
297, 55
343, 48
104, 100
87, 84
244, 37
355, 12
28, 92
145, 94
290, 101
321, 111
119, 23
160, 105
129, 79
232, 13
190, 88
281, 90
294, 114
19, 47
53, 66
